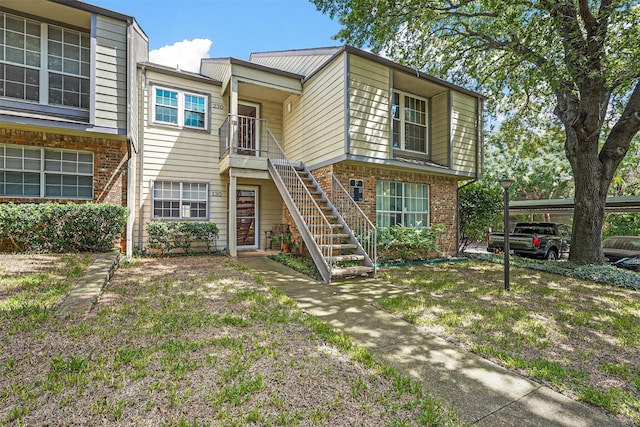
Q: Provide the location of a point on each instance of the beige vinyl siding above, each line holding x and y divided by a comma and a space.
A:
298, 64
440, 129
183, 154
111, 73
464, 132
314, 129
217, 70
369, 108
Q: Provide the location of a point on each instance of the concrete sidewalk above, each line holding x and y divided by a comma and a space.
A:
480, 392
86, 292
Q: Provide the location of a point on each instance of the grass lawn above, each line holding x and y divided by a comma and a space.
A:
580, 338
185, 341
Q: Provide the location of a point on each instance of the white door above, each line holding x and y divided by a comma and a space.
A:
247, 217
248, 129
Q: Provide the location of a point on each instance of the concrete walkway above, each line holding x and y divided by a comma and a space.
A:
86, 292
480, 392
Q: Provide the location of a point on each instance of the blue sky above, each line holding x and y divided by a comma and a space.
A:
235, 27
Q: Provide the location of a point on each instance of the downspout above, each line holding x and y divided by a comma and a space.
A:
130, 149
143, 77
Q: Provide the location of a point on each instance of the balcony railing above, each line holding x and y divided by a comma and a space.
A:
243, 135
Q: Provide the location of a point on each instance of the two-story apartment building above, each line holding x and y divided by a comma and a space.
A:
333, 141
68, 102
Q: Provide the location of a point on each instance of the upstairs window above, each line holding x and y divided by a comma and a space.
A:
29, 48
409, 116
69, 57
179, 108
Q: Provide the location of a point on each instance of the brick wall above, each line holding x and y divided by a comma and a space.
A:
109, 164
442, 193
109, 161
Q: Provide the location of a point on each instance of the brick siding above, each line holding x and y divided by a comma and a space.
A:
442, 193
109, 163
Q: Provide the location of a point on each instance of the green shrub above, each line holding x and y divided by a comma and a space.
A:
605, 274
167, 236
401, 244
621, 224
56, 227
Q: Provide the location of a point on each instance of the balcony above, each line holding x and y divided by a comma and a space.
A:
243, 143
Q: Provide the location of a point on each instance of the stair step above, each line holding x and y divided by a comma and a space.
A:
320, 217
335, 236
313, 192
352, 257
350, 271
341, 246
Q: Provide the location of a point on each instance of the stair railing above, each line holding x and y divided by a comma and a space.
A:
313, 225
361, 227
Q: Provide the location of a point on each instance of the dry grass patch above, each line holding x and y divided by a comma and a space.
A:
195, 341
578, 337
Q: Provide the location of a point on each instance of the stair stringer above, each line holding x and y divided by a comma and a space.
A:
321, 263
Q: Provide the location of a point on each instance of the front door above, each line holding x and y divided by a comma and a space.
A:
247, 217
248, 129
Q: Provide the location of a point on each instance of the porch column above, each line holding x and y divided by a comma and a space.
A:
233, 108
233, 238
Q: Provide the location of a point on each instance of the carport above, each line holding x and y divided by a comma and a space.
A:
565, 206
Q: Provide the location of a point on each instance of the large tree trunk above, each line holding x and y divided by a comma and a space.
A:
593, 167
588, 211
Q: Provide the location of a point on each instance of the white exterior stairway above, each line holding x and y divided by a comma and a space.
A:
337, 234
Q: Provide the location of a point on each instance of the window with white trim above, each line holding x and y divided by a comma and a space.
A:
409, 122
402, 203
29, 48
180, 200
178, 108
45, 173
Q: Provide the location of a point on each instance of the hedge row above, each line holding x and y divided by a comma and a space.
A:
403, 244
55, 227
185, 236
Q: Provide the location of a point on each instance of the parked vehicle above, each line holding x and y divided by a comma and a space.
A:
631, 263
547, 240
622, 251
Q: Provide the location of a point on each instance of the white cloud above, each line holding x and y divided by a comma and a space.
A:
184, 55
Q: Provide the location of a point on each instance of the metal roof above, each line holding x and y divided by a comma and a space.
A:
614, 204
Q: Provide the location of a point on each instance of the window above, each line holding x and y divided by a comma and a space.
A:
179, 108
67, 63
43, 172
179, 200
402, 203
356, 189
409, 123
